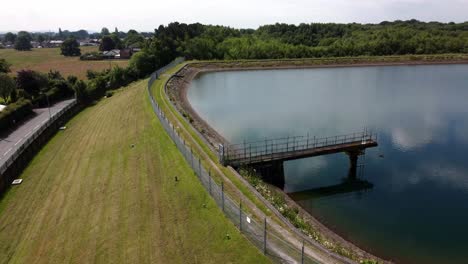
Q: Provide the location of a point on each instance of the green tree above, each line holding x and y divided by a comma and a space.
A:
105, 31
117, 42
143, 63
4, 66
23, 42
31, 82
133, 38
70, 47
7, 86
10, 37
107, 43
40, 38
80, 91
200, 48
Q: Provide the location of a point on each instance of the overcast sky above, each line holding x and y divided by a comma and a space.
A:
145, 15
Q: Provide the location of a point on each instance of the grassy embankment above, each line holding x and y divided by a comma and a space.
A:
46, 59
89, 196
207, 157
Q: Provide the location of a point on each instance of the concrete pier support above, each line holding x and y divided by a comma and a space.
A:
353, 159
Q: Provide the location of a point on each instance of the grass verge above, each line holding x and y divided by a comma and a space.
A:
103, 191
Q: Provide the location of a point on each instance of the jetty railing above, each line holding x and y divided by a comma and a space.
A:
255, 151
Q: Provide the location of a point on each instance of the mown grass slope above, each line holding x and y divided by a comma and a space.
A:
44, 60
90, 197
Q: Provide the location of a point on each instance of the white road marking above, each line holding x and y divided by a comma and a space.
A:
7, 152
43, 121
27, 134
36, 127
18, 141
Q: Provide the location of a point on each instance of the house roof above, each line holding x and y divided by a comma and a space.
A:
113, 52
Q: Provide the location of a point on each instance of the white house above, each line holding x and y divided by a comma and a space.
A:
112, 54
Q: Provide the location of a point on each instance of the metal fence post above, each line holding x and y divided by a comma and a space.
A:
240, 215
222, 194
199, 167
191, 156
209, 180
302, 253
245, 150
264, 236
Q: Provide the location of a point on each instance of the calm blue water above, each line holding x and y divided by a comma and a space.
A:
417, 210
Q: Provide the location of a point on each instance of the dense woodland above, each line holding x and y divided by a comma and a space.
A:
313, 40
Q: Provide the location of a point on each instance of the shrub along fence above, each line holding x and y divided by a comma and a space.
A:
271, 244
14, 113
23, 153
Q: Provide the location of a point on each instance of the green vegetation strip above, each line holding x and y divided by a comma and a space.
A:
103, 191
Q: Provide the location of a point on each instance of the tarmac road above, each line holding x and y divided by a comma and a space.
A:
16, 138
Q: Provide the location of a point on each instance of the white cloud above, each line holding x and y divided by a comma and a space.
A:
148, 14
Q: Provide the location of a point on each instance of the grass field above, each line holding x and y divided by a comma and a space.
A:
44, 60
89, 197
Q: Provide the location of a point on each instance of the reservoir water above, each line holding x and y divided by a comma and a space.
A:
417, 210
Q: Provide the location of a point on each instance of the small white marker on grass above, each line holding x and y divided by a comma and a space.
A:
17, 181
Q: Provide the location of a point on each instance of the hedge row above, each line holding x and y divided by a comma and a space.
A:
15, 112
92, 56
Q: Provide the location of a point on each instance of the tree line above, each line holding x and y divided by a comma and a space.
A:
197, 41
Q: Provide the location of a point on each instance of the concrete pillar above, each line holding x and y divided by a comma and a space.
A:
353, 159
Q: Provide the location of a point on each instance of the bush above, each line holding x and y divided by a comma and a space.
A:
14, 113
4, 66
81, 91
119, 77
72, 79
109, 93
70, 47
92, 56
31, 82
143, 63
97, 87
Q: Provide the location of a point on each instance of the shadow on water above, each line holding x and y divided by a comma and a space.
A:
347, 186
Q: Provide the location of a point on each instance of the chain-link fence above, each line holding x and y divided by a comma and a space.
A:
17, 150
272, 245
